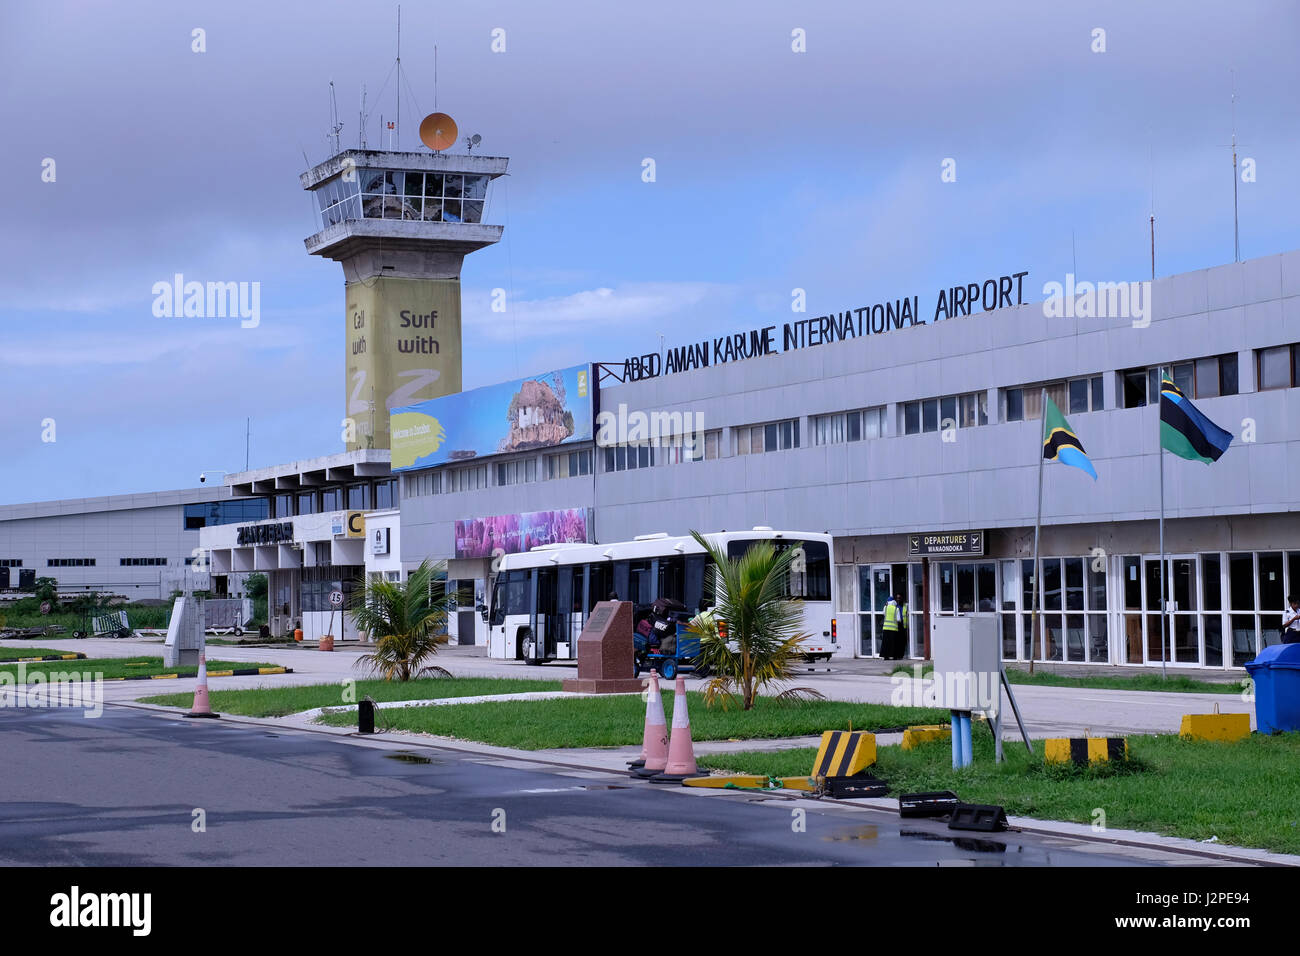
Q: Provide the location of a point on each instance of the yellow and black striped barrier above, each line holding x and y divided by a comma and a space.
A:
844, 753
48, 657
1083, 751
237, 672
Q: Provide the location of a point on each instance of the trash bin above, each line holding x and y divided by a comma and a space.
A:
1276, 672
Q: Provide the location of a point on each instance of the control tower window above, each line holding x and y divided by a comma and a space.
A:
408, 194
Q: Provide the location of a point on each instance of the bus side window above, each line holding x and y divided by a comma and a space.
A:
620, 586
600, 582
672, 579
693, 582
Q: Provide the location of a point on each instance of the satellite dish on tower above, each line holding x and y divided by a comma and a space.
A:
438, 131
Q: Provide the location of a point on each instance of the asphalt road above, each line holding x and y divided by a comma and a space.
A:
122, 790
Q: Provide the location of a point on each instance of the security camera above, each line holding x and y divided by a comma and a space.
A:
202, 478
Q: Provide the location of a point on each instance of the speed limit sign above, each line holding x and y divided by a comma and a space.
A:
336, 599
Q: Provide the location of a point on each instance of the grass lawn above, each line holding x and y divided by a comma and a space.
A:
1152, 681
1194, 789
281, 701
619, 720
111, 667
14, 653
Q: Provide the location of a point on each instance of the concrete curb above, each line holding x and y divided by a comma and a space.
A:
237, 672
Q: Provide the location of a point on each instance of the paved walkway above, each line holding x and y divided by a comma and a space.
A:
1048, 711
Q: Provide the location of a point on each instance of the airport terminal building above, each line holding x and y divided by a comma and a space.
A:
915, 444
142, 546
886, 440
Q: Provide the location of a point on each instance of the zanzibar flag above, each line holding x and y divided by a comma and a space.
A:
1060, 443
1185, 431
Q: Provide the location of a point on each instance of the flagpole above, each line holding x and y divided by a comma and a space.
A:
1160, 451
1038, 523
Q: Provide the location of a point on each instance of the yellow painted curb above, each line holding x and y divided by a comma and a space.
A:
1225, 727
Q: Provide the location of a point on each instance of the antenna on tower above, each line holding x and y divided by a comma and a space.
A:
399, 76
1152, 170
361, 120
335, 126
1236, 235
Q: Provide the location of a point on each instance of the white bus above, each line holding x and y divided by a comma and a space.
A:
540, 599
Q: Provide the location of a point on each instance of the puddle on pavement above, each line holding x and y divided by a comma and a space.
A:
408, 758
970, 844
858, 833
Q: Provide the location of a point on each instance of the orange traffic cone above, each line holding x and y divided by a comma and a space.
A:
201, 706
654, 744
681, 751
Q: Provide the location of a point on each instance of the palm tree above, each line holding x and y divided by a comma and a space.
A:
759, 642
408, 621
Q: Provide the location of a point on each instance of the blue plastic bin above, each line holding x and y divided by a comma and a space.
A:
1276, 672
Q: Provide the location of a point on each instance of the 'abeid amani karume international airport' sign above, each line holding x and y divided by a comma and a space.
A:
995, 293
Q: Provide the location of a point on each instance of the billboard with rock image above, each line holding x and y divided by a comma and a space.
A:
541, 411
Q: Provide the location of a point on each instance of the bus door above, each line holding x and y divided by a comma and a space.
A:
560, 634
543, 625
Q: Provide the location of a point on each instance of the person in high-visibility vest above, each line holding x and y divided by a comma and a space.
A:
894, 644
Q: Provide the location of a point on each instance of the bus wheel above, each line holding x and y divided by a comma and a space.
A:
668, 668
526, 649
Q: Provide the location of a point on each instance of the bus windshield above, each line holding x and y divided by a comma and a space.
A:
813, 583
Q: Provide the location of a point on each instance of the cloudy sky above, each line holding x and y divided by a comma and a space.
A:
775, 170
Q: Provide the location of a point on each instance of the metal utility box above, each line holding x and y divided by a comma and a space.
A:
967, 663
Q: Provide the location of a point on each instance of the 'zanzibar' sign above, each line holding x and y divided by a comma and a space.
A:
279, 533
996, 293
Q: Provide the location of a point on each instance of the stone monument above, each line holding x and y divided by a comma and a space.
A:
606, 657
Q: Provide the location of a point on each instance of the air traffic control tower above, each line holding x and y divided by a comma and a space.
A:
401, 224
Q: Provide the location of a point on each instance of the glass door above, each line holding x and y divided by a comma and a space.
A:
1185, 620
1181, 637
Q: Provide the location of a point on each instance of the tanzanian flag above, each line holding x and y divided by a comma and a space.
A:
1185, 431
1060, 443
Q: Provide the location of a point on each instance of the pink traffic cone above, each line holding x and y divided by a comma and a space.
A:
681, 750
645, 737
655, 741
201, 706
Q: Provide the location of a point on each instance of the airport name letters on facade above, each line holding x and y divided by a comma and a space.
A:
279, 533
958, 300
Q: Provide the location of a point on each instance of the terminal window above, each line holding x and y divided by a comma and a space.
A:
11, 562
426, 483
1278, 367
951, 411
516, 472
1071, 396
848, 426
467, 479
1207, 377
142, 562
629, 457
774, 436
570, 465
70, 562
235, 511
